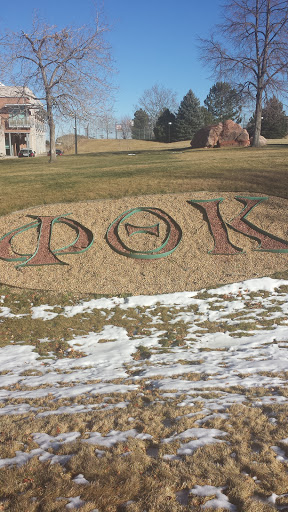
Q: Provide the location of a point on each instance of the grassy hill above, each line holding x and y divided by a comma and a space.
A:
111, 168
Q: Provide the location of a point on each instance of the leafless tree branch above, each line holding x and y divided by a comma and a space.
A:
251, 43
68, 68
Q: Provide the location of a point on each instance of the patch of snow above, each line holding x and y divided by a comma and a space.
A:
251, 285
75, 502
43, 312
281, 456
79, 479
203, 437
114, 437
220, 500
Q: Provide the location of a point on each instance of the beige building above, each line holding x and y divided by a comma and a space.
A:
23, 121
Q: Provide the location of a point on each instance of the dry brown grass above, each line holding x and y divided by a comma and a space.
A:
135, 470
119, 145
105, 169
133, 476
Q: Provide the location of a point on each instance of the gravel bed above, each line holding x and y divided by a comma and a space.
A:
102, 270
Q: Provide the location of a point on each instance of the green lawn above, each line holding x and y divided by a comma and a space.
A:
110, 171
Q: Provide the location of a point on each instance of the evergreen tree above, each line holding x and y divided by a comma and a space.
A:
207, 117
164, 130
250, 127
140, 128
224, 102
274, 122
189, 117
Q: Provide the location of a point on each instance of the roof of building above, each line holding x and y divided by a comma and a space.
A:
13, 91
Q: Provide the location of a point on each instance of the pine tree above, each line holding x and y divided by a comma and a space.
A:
164, 130
140, 128
189, 117
224, 103
274, 122
207, 117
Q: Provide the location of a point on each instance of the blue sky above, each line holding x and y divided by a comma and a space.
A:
154, 41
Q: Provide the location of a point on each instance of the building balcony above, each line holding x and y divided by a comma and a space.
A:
18, 122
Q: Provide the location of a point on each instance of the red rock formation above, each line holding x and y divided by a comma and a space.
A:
222, 134
262, 141
207, 136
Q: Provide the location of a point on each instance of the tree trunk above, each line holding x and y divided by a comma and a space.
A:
51, 125
258, 119
52, 140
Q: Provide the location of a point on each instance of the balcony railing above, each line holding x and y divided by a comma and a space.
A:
19, 122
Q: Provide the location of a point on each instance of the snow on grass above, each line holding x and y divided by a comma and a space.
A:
22, 458
281, 456
203, 436
220, 500
205, 352
223, 359
114, 437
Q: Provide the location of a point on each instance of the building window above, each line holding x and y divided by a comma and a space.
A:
19, 118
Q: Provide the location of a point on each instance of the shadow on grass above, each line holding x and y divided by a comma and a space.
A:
272, 183
168, 149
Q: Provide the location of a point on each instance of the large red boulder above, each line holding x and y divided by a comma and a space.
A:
222, 134
262, 141
233, 135
207, 137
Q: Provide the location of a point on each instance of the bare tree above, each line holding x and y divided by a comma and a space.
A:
126, 125
156, 100
68, 68
251, 43
106, 122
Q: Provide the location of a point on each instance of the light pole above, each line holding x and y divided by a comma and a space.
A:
169, 126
